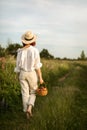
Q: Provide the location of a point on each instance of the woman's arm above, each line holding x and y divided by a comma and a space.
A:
39, 73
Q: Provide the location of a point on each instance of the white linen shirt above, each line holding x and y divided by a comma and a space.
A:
28, 59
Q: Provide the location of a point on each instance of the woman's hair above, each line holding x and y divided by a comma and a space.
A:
23, 44
32, 44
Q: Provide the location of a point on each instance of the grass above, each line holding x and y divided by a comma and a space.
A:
65, 106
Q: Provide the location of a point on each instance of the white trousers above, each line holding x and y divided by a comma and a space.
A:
28, 82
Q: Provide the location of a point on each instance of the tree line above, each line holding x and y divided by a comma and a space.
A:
11, 49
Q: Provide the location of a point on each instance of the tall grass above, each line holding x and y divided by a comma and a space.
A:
53, 70
65, 106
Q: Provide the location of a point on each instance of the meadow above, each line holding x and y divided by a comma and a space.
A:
65, 106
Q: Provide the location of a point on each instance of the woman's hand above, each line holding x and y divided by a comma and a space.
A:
41, 81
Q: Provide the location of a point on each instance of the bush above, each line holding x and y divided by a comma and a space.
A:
9, 87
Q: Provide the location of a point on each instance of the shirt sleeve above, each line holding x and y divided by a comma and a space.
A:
17, 69
38, 64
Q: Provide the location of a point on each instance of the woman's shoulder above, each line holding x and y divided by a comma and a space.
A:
19, 49
34, 48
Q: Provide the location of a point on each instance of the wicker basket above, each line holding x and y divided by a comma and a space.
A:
42, 90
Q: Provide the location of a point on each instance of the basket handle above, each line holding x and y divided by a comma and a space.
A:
43, 84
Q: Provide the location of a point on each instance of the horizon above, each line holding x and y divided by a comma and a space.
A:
76, 58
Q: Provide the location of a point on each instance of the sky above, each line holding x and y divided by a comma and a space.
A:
60, 25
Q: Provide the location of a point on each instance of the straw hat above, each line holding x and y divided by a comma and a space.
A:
28, 37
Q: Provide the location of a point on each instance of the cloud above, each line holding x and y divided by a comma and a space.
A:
59, 22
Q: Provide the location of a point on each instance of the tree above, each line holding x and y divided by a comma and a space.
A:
45, 54
2, 51
82, 56
12, 48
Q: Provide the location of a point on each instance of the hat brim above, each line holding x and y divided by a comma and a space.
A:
28, 42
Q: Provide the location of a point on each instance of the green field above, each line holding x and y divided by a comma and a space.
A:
65, 106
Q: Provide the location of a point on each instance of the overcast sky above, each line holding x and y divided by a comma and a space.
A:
61, 25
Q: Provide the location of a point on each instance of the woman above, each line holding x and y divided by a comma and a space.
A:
28, 68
